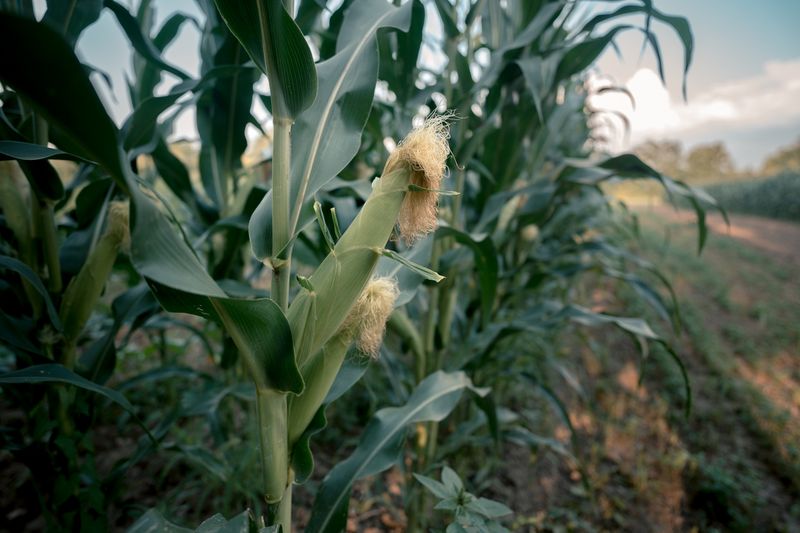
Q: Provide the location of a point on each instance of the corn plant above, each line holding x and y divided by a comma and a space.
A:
768, 197
524, 225
291, 352
523, 213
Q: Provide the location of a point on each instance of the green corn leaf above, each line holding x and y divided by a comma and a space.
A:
408, 281
584, 316
161, 253
71, 17
679, 24
302, 458
539, 74
140, 127
530, 34
32, 158
33, 152
148, 75
448, 16
399, 53
141, 43
173, 172
323, 226
158, 250
308, 14
17, 333
425, 272
223, 110
264, 339
485, 255
54, 81
580, 56
638, 328
353, 368
23, 270
647, 293
154, 522
684, 31
441, 192
327, 136
629, 166
204, 459
381, 443
687, 385
51, 373
277, 46
131, 307
258, 327
557, 404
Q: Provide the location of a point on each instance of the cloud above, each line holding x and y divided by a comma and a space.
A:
766, 100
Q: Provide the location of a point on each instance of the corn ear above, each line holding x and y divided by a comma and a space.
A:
15, 208
340, 279
336, 306
85, 289
344, 273
320, 374
365, 324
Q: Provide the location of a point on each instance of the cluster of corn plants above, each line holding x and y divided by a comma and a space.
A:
525, 225
770, 197
510, 232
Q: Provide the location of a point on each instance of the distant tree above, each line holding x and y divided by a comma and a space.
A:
786, 159
709, 163
665, 156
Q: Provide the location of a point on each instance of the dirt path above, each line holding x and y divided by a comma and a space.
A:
741, 303
733, 465
773, 236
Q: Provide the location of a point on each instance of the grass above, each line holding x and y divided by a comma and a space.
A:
741, 315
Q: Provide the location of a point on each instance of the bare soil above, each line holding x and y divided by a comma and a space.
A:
734, 463
776, 237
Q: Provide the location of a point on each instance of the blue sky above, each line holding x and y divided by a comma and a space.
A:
744, 83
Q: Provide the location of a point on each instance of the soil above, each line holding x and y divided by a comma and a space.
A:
733, 464
776, 237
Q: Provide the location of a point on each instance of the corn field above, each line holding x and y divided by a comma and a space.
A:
420, 230
769, 197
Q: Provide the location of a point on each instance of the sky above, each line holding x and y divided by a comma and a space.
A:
743, 84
